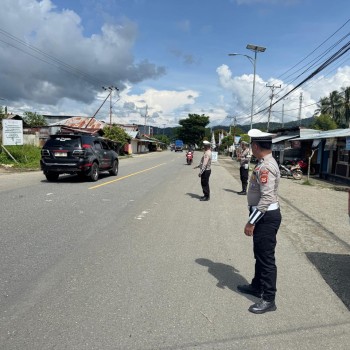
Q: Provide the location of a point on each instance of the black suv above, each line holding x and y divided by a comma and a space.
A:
82, 154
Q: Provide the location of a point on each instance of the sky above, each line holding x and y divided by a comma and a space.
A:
166, 59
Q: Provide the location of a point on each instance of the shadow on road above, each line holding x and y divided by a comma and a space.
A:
226, 275
194, 195
335, 270
229, 190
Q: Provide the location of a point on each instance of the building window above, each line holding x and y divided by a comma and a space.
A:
343, 154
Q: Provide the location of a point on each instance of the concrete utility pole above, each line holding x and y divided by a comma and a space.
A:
300, 104
110, 89
146, 116
272, 87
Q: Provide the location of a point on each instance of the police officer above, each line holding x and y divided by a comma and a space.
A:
264, 222
205, 170
244, 159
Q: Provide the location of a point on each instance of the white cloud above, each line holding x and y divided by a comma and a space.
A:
241, 89
163, 105
68, 65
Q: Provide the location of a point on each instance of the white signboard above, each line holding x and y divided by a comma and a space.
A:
214, 156
12, 132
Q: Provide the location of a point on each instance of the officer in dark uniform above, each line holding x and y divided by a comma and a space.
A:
264, 222
244, 159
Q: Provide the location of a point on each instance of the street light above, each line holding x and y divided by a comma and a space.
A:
252, 60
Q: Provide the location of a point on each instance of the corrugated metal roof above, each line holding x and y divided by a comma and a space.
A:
132, 134
81, 123
324, 134
283, 138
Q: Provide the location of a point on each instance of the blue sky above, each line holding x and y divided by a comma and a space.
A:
171, 55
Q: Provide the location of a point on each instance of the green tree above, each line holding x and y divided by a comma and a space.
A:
193, 129
331, 105
116, 133
162, 138
324, 122
226, 142
34, 119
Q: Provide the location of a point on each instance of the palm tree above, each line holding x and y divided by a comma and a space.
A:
336, 101
332, 106
323, 107
346, 105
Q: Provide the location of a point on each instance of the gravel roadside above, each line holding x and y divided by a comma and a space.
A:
315, 220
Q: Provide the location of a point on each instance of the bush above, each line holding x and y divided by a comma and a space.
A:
27, 156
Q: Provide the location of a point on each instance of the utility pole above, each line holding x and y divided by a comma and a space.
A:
300, 104
283, 115
146, 115
234, 123
272, 87
110, 89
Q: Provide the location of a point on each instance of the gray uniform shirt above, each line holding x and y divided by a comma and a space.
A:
245, 157
205, 163
263, 184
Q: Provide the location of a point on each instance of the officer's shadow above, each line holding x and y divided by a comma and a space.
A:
226, 275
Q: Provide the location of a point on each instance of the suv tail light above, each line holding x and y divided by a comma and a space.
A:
86, 145
79, 153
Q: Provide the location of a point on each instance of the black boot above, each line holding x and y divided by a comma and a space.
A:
263, 306
244, 190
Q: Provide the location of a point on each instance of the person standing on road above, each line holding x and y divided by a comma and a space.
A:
264, 222
244, 159
205, 171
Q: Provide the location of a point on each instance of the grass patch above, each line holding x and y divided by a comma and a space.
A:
307, 183
27, 156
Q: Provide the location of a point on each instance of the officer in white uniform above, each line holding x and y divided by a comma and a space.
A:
205, 170
264, 222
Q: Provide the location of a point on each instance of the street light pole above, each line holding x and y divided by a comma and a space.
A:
256, 49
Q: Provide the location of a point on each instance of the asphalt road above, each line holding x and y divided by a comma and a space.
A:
138, 262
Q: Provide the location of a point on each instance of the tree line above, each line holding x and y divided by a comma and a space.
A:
334, 110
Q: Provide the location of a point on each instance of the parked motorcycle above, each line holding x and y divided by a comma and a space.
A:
304, 166
189, 157
294, 171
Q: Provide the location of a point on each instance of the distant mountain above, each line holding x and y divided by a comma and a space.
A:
169, 131
306, 123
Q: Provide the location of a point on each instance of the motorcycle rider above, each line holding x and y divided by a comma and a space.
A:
189, 155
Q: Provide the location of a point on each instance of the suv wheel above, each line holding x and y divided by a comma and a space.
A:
114, 170
51, 176
94, 172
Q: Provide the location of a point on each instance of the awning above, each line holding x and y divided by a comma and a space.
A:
283, 138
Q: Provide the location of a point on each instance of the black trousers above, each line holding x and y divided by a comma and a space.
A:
205, 182
265, 241
244, 173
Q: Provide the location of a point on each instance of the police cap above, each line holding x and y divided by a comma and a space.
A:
258, 135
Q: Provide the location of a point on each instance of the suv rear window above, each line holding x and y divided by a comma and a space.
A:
65, 141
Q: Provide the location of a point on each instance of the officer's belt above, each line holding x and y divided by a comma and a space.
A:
272, 206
